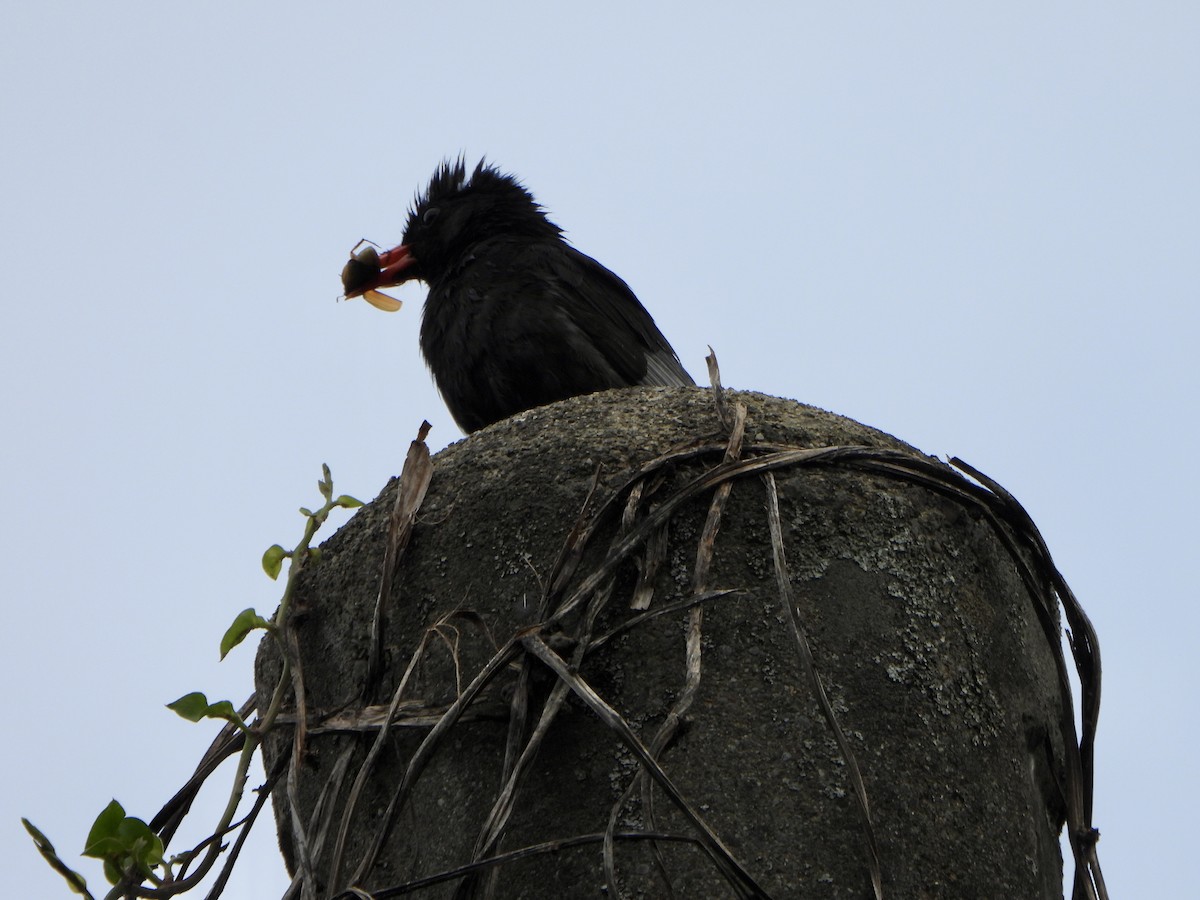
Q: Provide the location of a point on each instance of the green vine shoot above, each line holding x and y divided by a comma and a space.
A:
131, 850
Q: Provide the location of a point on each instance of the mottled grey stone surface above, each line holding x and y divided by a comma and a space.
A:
926, 640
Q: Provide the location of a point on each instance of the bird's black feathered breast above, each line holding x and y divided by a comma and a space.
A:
516, 317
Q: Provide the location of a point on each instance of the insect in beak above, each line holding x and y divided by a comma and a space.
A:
362, 273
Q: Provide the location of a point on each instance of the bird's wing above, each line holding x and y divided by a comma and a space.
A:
604, 307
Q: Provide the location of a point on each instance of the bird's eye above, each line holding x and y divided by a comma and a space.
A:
430, 216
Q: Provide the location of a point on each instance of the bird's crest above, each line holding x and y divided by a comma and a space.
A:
486, 184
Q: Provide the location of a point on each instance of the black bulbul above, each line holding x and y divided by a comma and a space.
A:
516, 317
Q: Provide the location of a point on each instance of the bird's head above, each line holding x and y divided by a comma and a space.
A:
454, 212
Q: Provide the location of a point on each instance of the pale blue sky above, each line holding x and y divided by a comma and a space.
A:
972, 225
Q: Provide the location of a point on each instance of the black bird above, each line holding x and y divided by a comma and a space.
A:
516, 317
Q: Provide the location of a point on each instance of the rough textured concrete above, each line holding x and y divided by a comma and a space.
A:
922, 632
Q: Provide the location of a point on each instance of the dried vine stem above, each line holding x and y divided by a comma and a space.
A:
322, 815
410, 494
738, 877
809, 667
426, 749
364, 771
735, 422
494, 862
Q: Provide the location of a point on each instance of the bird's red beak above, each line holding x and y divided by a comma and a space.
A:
393, 264
368, 270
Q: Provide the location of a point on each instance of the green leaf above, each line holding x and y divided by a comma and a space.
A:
123, 841
306, 512
345, 501
272, 560
223, 709
104, 831
193, 707
246, 621
314, 554
38, 838
76, 882
112, 871
141, 843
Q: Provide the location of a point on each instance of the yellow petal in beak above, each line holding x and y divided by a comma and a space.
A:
382, 301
